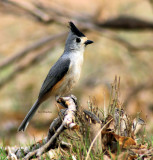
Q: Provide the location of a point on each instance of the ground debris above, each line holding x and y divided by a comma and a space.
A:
111, 135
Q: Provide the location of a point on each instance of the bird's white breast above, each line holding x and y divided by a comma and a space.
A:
73, 74
76, 66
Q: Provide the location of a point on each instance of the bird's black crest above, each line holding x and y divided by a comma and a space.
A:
75, 30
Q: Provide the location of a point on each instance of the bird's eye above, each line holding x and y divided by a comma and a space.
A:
78, 40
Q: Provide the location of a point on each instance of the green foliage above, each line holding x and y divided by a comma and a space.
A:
2, 154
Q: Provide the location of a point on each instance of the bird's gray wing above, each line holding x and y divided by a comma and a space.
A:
56, 73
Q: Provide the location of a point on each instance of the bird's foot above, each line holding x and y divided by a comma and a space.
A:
74, 99
62, 102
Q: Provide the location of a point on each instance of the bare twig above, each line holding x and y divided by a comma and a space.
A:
39, 151
113, 36
87, 157
23, 151
30, 48
85, 22
68, 122
22, 67
127, 44
126, 23
65, 120
120, 22
41, 15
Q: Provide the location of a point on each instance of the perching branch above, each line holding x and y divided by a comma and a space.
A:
65, 120
23, 151
68, 122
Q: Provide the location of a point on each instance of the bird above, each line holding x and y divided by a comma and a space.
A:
64, 74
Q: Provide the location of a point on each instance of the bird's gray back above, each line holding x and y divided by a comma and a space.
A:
56, 73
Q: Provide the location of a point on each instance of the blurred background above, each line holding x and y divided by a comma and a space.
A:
32, 37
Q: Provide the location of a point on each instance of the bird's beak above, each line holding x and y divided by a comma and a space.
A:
88, 42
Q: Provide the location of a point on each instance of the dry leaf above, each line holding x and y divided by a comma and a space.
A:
124, 142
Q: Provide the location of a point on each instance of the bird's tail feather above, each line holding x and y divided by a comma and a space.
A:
28, 117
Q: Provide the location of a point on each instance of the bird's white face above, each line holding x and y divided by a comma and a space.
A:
78, 43
75, 43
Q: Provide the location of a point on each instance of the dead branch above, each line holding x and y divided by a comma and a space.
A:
22, 67
23, 151
128, 45
68, 122
39, 14
28, 49
121, 22
126, 23
86, 23
66, 119
113, 36
102, 135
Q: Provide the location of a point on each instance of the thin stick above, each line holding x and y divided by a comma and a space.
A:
67, 123
27, 50
96, 138
31, 9
22, 67
39, 151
